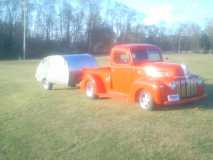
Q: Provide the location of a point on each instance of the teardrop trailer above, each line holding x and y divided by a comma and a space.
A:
138, 73
63, 69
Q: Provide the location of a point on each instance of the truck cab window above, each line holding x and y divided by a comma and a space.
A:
150, 55
121, 58
153, 55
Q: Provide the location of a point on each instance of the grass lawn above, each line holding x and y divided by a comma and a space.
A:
64, 124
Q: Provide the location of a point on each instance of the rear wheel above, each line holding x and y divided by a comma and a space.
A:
47, 85
146, 101
91, 89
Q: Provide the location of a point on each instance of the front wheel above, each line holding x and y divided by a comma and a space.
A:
146, 101
91, 90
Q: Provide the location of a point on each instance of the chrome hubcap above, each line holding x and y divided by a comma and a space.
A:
90, 89
145, 100
45, 84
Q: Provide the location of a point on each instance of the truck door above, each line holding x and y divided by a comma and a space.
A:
122, 72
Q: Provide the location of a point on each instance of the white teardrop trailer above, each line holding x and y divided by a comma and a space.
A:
63, 69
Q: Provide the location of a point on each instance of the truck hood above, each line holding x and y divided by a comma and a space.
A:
169, 69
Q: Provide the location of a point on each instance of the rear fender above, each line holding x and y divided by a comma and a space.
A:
148, 85
100, 88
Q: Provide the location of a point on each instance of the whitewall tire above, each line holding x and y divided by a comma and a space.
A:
47, 85
145, 101
91, 90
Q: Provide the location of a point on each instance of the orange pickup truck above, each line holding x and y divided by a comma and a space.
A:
138, 73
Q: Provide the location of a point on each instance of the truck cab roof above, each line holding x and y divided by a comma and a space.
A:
134, 54
135, 46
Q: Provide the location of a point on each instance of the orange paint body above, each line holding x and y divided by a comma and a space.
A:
136, 67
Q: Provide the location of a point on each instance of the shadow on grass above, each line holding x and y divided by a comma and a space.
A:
206, 104
57, 88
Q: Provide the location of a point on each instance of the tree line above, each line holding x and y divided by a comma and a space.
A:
94, 26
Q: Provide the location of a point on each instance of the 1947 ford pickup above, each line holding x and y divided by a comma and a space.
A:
138, 73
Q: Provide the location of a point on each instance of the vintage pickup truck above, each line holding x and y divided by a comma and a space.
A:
138, 73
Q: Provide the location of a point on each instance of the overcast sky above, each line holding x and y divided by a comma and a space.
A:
173, 11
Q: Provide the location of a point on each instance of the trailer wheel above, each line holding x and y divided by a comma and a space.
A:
145, 101
47, 85
91, 89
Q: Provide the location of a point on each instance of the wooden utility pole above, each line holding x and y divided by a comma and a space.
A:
179, 44
24, 10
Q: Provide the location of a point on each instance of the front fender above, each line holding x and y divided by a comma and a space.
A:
149, 85
100, 88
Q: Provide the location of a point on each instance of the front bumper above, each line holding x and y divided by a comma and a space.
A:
185, 100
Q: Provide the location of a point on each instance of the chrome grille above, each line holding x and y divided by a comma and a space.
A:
186, 88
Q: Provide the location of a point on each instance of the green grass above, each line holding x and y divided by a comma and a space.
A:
64, 124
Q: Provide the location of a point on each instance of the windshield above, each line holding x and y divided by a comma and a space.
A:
151, 55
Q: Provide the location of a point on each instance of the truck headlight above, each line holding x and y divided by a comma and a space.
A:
154, 72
